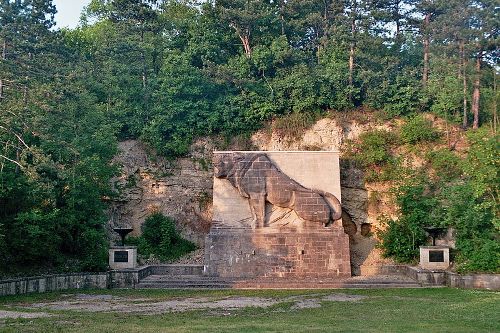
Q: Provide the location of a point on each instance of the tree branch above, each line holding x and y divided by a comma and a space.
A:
13, 161
16, 135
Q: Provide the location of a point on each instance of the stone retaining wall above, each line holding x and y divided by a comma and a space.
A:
130, 279
104, 280
444, 278
57, 282
473, 281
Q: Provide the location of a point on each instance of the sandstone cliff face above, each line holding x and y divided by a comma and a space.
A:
362, 203
182, 188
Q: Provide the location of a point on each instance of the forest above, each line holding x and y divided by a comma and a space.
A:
167, 72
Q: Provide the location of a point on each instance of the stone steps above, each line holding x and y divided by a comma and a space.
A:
176, 270
183, 282
160, 281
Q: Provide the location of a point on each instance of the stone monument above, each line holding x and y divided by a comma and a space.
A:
434, 257
277, 215
122, 256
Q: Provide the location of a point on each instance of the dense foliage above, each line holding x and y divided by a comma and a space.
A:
169, 71
461, 194
160, 239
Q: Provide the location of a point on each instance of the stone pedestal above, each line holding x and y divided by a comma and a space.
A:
122, 257
263, 253
434, 257
292, 242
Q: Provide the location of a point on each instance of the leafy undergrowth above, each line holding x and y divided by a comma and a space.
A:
389, 310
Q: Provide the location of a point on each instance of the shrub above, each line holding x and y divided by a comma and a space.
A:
403, 97
480, 255
417, 129
401, 240
445, 163
372, 148
160, 238
294, 125
403, 237
447, 97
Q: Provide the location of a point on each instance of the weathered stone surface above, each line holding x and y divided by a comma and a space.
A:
294, 244
434, 257
263, 253
259, 180
53, 283
122, 257
306, 170
181, 189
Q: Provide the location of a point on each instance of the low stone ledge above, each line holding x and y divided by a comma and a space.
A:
40, 284
473, 281
454, 280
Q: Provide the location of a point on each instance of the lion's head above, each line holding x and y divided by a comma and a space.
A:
223, 164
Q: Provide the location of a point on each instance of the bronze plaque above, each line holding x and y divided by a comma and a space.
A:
121, 256
436, 256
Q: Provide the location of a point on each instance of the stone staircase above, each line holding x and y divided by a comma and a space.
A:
191, 277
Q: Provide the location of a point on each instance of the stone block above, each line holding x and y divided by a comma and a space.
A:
259, 254
292, 242
122, 257
434, 257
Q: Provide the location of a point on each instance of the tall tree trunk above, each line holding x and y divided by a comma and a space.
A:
495, 116
476, 93
245, 39
425, 74
398, 23
352, 49
463, 72
4, 55
143, 62
282, 17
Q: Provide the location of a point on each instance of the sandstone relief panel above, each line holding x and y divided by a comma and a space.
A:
257, 179
276, 189
277, 214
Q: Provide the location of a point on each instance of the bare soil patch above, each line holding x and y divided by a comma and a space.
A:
115, 304
4, 314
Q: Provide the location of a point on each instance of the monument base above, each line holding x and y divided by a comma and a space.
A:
122, 257
268, 253
434, 257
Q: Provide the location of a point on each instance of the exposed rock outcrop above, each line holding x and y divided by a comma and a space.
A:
182, 188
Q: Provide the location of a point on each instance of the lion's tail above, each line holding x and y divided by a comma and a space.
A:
334, 204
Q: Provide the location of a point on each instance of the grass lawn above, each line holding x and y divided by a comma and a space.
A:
388, 310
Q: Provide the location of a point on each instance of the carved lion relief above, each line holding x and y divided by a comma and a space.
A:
259, 180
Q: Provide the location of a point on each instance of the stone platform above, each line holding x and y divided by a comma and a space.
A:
268, 253
276, 215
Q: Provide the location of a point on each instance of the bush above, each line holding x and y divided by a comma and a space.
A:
445, 163
294, 125
480, 255
417, 129
403, 97
160, 238
401, 240
403, 237
372, 148
447, 97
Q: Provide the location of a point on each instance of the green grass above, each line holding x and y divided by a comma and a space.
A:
388, 310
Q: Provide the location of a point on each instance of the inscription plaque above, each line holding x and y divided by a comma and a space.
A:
121, 256
436, 256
